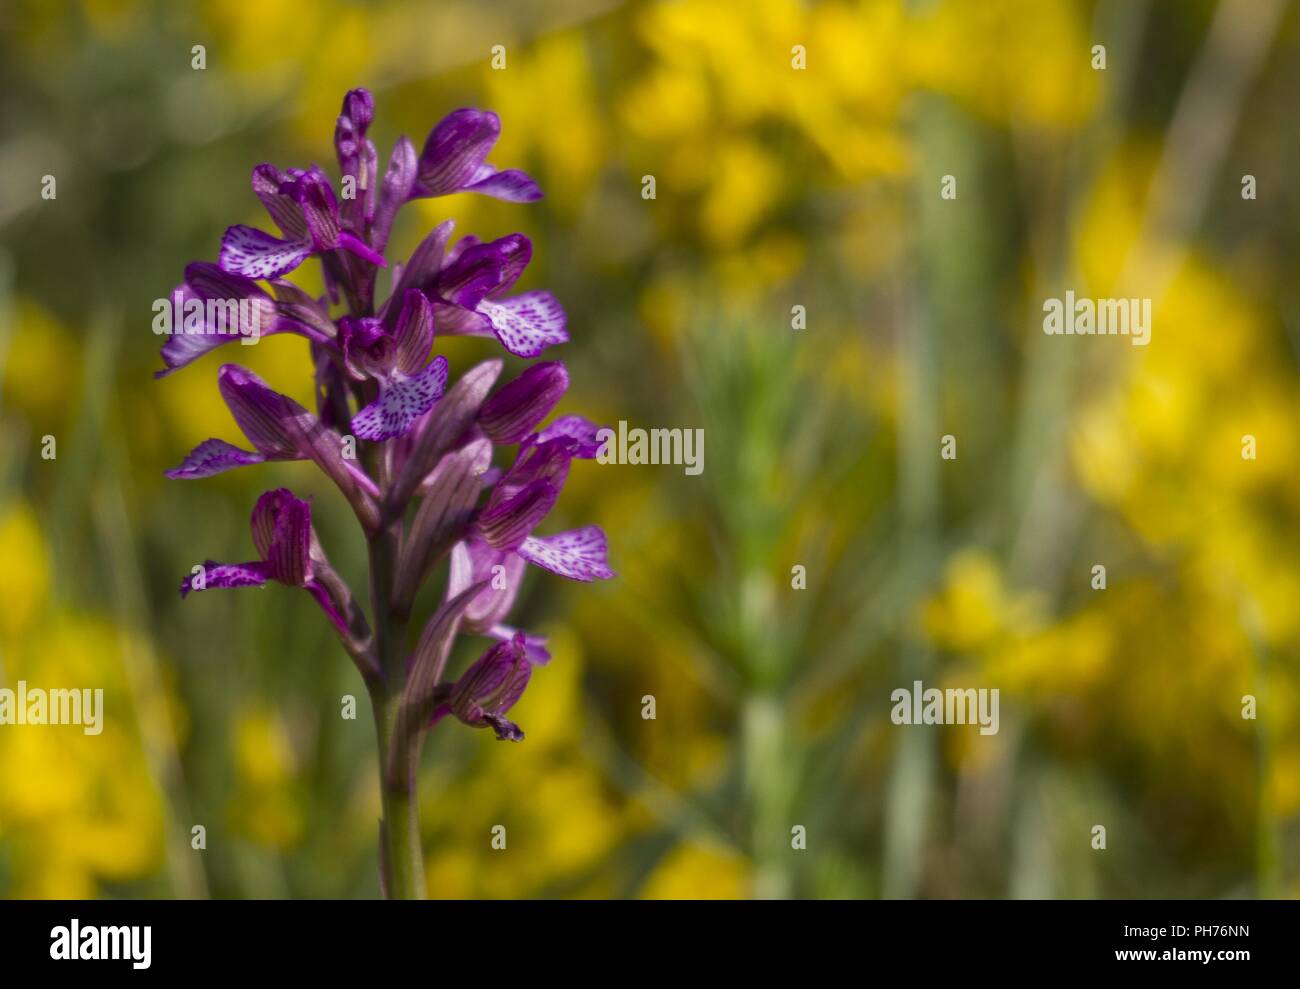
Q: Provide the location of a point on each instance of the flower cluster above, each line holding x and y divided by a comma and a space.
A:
413, 457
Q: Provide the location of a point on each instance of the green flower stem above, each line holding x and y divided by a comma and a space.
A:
400, 854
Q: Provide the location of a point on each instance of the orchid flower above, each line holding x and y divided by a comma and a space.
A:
410, 450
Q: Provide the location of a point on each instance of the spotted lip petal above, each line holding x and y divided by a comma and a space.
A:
580, 554
213, 457
527, 324
256, 254
402, 400
253, 574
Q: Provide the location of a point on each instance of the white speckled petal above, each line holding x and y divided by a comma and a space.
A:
402, 401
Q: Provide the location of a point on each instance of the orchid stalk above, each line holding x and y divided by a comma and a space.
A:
421, 483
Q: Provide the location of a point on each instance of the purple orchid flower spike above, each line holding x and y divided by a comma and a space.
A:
289, 554
411, 451
489, 688
303, 206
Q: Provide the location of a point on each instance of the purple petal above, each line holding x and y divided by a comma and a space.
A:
491, 686
547, 461
513, 252
281, 527
399, 183
228, 575
478, 270
578, 431
313, 192
534, 645
455, 151
473, 561
356, 155
527, 324
413, 332
507, 522
272, 189
510, 415
425, 261
511, 185
454, 320
265, 416
579, 554
459, 248
233, 306
361, 249
213, 457
322, 596
402, 401
256, 254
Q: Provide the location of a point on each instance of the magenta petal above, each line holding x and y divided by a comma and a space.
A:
253, 574
185, 348
213, 457
402, 401
425, 262
457, 321
534, 645
579, 554
455, 151
265, 416
398, 185
507, 521
473, 561
413, 332
326, 603
256, 254
511, 185
281, 527
510, 415
527, 324
314, 194
578, 432
491, 686
361, 249
270, 186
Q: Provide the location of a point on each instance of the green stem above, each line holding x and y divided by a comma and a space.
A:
400, 854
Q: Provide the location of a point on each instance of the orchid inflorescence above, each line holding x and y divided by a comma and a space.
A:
425, 460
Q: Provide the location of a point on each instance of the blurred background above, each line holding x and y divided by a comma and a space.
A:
775, 188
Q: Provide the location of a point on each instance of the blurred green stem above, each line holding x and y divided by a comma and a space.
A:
400, 856
765, 739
